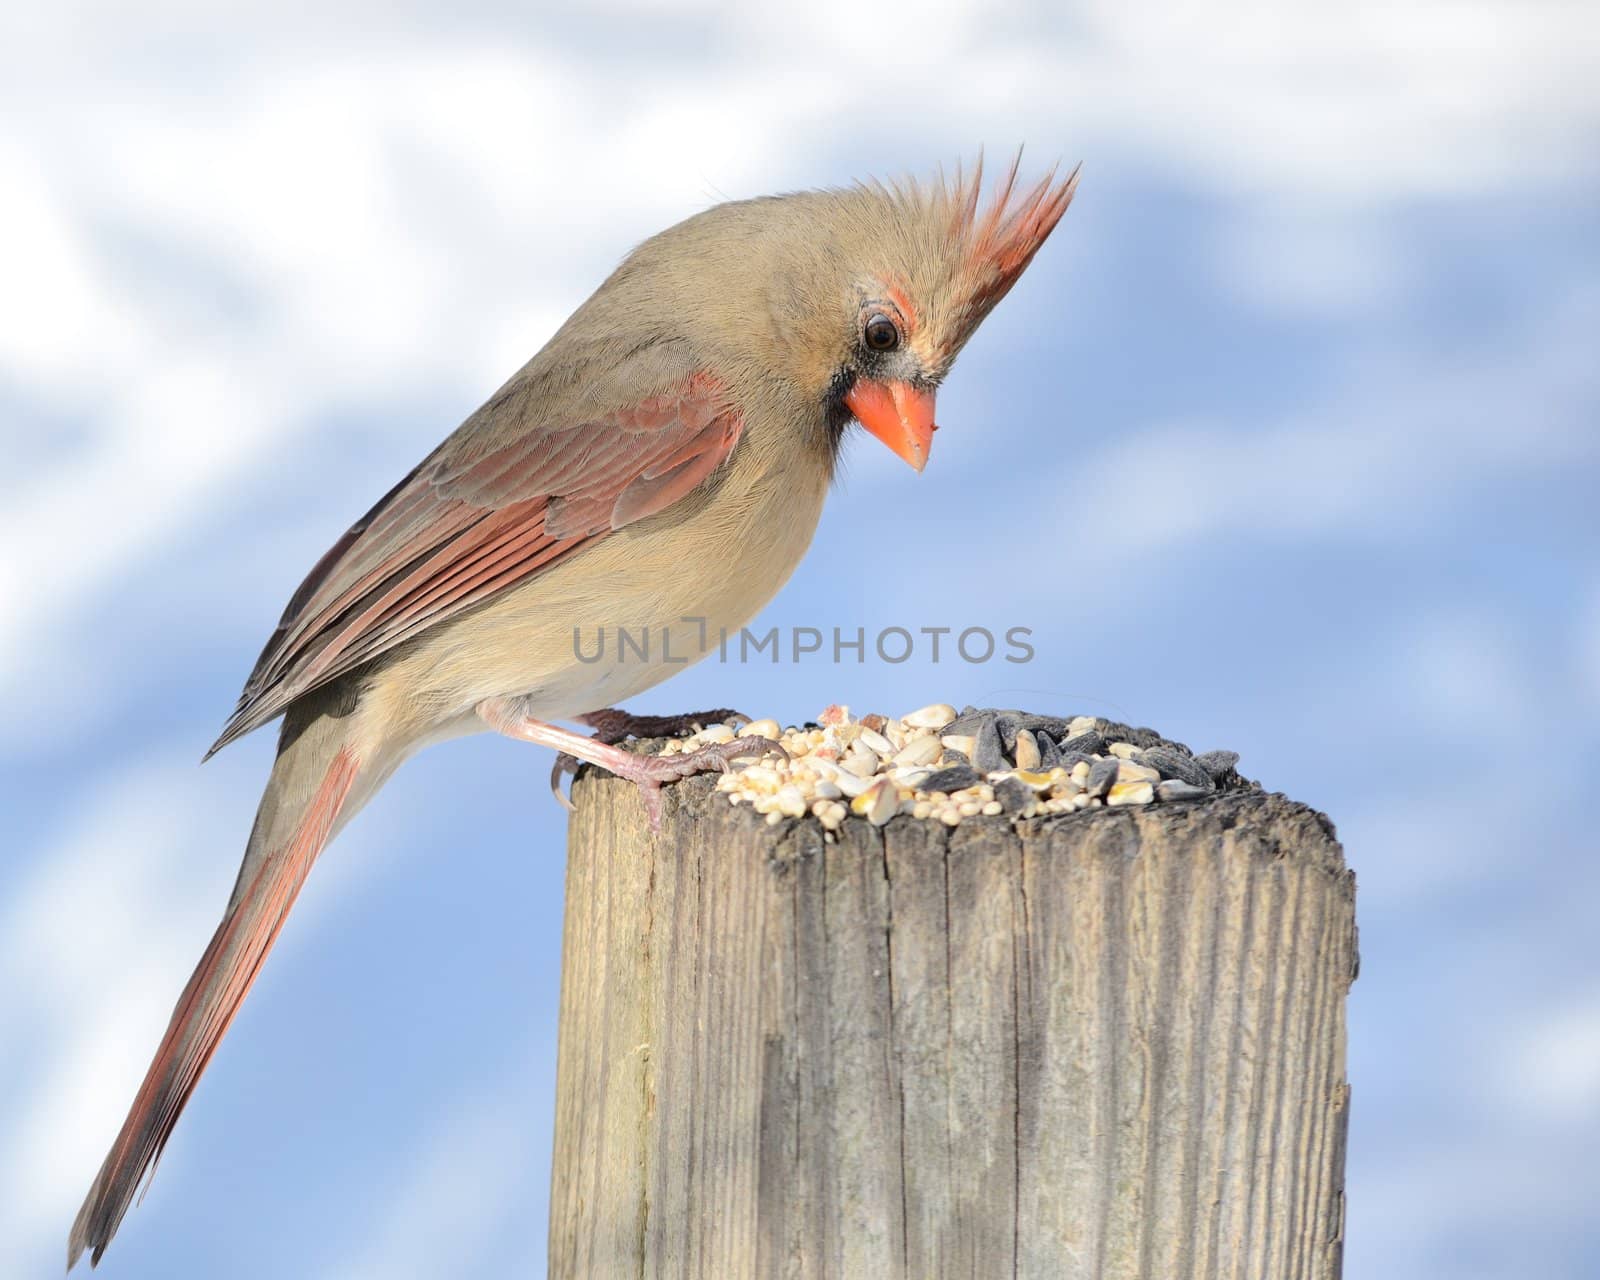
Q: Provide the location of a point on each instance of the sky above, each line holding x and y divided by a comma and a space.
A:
1288, 442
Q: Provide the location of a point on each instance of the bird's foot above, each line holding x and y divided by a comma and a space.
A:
505, 715
613, 724
650, 772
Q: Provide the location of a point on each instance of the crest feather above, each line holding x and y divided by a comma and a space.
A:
998, 244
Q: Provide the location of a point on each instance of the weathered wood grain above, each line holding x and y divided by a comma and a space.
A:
1110, 1045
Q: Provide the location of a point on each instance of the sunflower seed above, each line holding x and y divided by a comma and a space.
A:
1170, 764
852, 784
961, 744
1049, 753
968, 722
1131, 793
1102, 773
962, 775
1008, 724
1218, 763
878, 804
1013, 795
986, 753
913, 776
1131, 771
875, 741
861, 763
918, 751
1025, 750
1111, 731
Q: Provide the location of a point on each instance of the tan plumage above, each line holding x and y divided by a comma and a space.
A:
665, 456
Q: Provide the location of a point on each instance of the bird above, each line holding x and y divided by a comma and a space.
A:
659, 466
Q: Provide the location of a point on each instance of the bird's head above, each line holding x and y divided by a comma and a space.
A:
883, 286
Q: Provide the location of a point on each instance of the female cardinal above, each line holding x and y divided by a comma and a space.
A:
658, 467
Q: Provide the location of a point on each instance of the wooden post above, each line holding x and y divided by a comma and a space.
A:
1107, 1045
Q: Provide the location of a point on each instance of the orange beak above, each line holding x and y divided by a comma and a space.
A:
898, 414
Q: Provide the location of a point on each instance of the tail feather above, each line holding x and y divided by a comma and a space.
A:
304, 797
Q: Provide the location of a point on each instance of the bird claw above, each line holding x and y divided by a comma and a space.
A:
564, 764
648, 773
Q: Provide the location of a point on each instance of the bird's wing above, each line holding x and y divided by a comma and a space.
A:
513, 491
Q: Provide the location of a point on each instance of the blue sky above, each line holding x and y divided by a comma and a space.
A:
1288, 442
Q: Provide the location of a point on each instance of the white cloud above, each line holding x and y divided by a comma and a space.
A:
1367, 102
401, 202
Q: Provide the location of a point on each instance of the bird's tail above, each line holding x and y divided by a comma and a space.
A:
306, 797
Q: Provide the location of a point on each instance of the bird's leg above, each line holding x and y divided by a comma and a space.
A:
505, 715
612, 724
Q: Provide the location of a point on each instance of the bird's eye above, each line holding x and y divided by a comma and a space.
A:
880, 333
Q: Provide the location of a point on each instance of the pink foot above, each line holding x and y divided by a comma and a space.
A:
648, 773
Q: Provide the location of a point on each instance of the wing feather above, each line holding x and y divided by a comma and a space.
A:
496, 503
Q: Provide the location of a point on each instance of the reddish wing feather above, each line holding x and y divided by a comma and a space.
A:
472, 521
